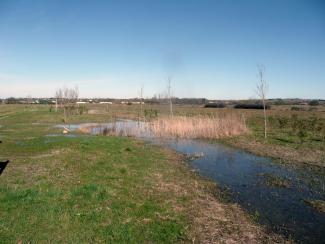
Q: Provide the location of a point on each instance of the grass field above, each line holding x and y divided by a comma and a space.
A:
105, 189
294, 137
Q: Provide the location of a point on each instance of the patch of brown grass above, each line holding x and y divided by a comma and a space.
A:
180, 126
319, 205
199, 127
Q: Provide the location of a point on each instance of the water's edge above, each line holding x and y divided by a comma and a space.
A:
274, 193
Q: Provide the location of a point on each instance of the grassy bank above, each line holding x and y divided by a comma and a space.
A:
105, 189
293, 138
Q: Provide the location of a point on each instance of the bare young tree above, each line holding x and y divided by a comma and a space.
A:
58, 97
141, 100
65, 97
169, 92
261, 91
29, 99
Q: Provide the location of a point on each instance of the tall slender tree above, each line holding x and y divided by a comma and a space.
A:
169, 92
261, 91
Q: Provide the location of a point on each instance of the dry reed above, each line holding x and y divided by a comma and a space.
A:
182, 127
199, 127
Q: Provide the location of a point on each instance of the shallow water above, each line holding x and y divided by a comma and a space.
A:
74, 127
245, 177
57, 134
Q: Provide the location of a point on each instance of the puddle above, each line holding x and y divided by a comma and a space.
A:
120, 127
73, 127
273, 193
65, 135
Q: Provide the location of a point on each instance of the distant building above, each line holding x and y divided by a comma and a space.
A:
105, 102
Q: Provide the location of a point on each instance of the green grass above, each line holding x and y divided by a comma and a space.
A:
299, 141
83, 189
88, 192
106, 189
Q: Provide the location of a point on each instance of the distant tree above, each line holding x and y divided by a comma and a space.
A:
66, 97
29, 99
58, 97
141, 100
314, 103
279, 102
261, 91
169, 92
12, 100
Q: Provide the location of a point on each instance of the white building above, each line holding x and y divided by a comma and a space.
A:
105, 103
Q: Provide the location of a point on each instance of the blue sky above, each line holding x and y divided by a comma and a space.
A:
209, 48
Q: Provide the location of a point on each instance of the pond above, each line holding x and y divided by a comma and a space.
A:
274, 194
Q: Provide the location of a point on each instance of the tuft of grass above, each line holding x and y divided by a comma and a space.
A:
319, 205
276, 181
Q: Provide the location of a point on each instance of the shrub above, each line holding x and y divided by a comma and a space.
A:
82, 109
295, 108
251, 106
151, 113
314, 103
215, 105
283, 122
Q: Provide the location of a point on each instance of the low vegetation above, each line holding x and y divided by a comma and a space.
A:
199, 127
276, 181
294, 137
251, 106
215, 105
319, 205
105, 189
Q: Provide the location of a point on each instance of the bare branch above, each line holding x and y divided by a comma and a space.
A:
261, 91
169, 92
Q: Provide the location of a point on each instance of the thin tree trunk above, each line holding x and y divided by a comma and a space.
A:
171, 107
264, 109
170, 98
65, 115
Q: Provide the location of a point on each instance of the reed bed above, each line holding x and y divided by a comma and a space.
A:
180, 126
199, 127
